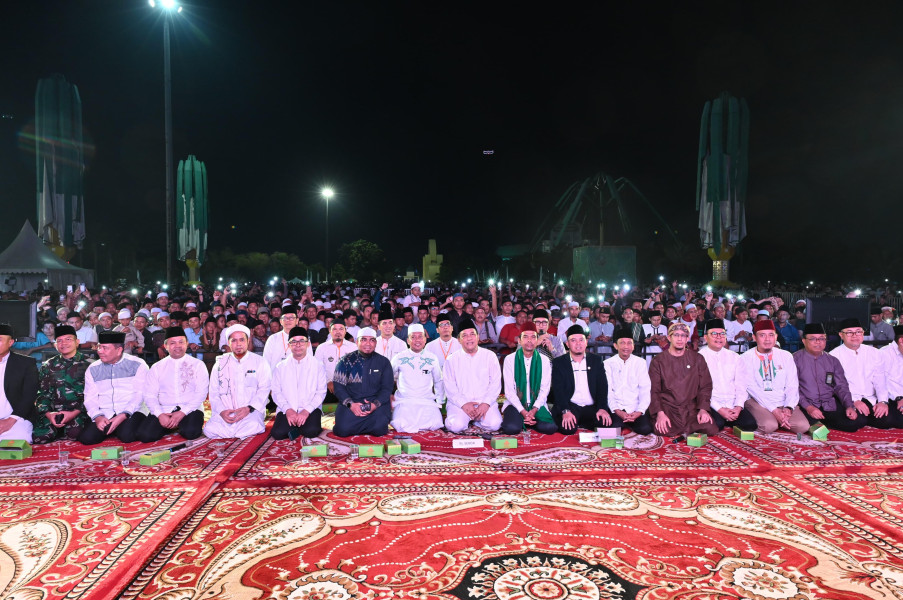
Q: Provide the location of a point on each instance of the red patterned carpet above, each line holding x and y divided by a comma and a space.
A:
772, 518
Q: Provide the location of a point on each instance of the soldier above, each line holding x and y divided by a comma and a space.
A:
61, 391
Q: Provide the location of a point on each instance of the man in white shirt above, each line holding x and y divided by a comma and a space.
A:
771, 380
628, 387
18, 389
299, 387
893, 369
527, 375
654, 334
387, 344
579, 386
864, 368
446, 345
572, 319
329, 353
86, 336
175, 389
114, 391
420, 391
239, 385
739, 331
276, 347
729, 394
473, 381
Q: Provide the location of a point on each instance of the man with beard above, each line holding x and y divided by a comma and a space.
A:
528, 379
420, 390
363, 384
239, 386
729, 394
681, 388
579, 386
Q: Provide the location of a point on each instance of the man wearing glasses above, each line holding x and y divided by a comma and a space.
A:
681, 388
824, 392
277, 346
299, 387
864, 368
728, 387
546, 344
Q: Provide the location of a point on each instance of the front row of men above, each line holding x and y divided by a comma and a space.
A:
682, 391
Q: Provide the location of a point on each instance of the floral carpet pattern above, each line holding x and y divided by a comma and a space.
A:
772, 518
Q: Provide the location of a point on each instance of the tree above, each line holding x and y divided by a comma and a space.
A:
362, 260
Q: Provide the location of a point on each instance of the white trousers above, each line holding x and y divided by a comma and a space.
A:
20, 431
216, 428
414, 416
456, 420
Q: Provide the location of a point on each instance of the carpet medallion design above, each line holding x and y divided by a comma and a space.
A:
687, 539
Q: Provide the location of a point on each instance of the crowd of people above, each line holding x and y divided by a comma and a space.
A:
668, 361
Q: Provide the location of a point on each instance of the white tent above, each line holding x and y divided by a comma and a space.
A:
29, 262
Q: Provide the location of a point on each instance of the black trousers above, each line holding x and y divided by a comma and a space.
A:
892, 420
641, 426
513, 423
311, 428
745, 420
586, 418
190, 427
127, 432
376, 423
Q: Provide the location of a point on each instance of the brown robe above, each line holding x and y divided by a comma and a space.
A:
681, 386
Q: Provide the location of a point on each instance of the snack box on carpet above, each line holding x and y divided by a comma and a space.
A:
315, 450
410, 446
500, 443
107, 453
154, 458
370, 450
744, 435
697, 439
14, 449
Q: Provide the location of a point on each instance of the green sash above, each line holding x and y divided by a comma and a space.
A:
520, 381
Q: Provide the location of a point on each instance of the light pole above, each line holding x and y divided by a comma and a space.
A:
327, 193
168, 6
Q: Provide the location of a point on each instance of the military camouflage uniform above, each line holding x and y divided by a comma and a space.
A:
61, 387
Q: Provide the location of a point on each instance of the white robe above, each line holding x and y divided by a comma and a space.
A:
235, 384
299, 384
728, 385
442, 350
175, 383
22, 428
390, 347
472, 378
629, 387
328, 355
420, 391
864, 369
276, 349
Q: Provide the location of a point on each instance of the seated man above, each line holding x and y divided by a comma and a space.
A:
772, 383
420, 393
824, 392
473, 381
546, 343
528, 379
175, 392
239, 387
299, 387
893, 367
363, 384
114, 388
864, 368
787, 330
628, 387
728, 385
18, 391
681, 388
579, 386
61, 390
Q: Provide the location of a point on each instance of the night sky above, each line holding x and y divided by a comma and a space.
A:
394, 103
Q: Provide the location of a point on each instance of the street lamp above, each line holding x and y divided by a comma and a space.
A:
168, 6
327, 193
